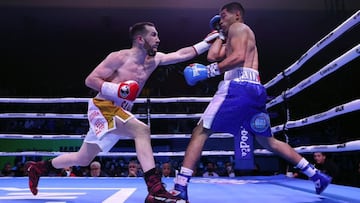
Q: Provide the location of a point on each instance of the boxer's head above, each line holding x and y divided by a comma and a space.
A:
229, 14
145, 34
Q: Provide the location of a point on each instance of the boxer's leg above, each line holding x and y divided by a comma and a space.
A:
284, 150
192, 155
83, 157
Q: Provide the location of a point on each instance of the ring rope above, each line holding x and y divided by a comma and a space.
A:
345, 26
323, 72
336, 111
85, 100
155, 136
84, 116
43, 153
344, 147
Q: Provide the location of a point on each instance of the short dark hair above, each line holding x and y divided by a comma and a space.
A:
139, 28
233, 7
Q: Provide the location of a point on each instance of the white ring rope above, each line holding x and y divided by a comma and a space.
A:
336, 111
344, 147
85, 100
326, 70
76, 137
41, 153
84, 116
345, 26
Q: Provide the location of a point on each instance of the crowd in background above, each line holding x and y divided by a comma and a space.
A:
124, 167
211, 168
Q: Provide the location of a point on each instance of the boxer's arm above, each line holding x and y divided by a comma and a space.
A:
196, 72
104, 70
190, 52
127, 90
216, 51
178, 56
239, 43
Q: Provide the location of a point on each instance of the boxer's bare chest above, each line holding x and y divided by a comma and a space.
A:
139, 72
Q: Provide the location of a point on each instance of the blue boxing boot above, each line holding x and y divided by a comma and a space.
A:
181, 181
321, 181
180, 188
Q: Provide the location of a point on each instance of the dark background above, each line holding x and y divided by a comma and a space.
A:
49, 47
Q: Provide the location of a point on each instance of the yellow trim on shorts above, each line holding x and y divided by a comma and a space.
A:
110, 110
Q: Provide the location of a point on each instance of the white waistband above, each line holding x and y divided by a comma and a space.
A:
243, 74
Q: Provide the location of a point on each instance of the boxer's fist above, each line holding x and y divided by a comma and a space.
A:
127, 90
212, 36
194, 73
197, 72
215, 23
204, 45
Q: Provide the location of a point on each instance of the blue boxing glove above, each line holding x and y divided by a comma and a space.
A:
215, 25
197, 72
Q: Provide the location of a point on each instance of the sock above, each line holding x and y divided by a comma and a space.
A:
149, 173
308, 169
184, 176
186, 171
49, 165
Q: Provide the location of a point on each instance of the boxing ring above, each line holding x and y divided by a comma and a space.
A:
274, 188
111, 190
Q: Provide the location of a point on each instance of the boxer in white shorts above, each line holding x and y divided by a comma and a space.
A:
119, 79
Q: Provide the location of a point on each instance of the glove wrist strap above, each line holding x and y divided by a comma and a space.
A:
109, 89
201, 47
213, 70
221, 35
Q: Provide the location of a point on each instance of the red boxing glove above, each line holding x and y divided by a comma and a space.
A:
127, 90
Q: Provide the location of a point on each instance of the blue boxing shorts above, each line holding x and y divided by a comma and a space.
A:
239, 107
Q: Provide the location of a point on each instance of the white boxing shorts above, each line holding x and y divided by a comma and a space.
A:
102, 115
239, 104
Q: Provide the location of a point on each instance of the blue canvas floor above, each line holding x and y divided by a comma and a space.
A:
258, 189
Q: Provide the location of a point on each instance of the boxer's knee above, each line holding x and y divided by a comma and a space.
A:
142, 131
82, 159
200, 132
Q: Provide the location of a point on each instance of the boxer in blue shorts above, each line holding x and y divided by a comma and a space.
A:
239, 105
239, 100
